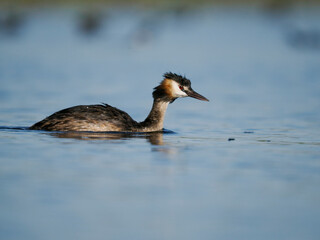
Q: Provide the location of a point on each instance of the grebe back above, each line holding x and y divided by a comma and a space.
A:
104, 118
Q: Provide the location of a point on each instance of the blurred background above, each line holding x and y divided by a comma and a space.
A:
74, 52
243, 166
80, 52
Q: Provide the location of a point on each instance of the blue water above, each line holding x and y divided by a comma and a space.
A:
245, 165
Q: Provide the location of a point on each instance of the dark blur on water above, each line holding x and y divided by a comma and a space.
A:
246, 165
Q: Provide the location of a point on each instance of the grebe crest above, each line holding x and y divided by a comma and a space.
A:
103, 118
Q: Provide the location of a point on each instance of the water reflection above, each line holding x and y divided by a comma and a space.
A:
155, 138
304, 39
11, 22
90, 22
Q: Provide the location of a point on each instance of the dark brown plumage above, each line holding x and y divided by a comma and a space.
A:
97, 117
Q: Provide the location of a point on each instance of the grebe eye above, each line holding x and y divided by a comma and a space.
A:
181, 88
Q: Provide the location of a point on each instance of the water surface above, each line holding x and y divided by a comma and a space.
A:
243, 166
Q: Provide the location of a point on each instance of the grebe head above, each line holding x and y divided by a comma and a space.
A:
175, 86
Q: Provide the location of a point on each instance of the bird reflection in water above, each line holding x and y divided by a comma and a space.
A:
154, 138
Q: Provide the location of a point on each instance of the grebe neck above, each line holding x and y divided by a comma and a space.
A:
154, 121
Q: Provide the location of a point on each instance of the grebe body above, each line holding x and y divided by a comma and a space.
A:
105, 118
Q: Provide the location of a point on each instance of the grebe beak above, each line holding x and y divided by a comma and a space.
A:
196, 95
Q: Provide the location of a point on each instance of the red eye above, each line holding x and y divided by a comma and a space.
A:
181, 88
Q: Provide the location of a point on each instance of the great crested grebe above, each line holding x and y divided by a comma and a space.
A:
104, 118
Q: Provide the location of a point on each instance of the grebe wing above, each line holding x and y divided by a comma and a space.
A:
101, 117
